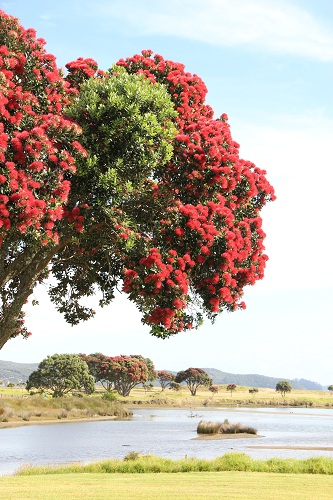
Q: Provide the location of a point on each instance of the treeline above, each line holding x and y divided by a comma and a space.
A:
63, 373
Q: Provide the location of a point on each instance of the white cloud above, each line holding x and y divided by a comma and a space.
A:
266, 24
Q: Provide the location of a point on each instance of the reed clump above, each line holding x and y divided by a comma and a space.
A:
206, 427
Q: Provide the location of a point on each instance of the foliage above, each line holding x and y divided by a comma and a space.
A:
151, 372
127, 372
121, 373
254, 390
99, 365
165, 378
330, 388
175, 386
60, 374
283, 387
231, 388
153, 198
194, 378
214, 388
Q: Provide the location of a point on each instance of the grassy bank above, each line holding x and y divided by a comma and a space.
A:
163, 486
135, 463
36, 409
18, 407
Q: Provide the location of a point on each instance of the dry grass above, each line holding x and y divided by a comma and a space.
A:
33, 409
225, 427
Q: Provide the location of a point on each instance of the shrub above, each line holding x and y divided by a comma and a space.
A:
62, 414
133, 455
109, 396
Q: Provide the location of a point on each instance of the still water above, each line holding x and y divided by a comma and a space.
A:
167, 433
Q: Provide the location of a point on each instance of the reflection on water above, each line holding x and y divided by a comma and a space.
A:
167, 433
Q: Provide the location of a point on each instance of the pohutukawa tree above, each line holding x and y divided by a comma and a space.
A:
120, 373
165, 378
121, 179
194, 378
126, 372
231, 388
99, 366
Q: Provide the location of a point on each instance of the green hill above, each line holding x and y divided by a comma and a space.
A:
16, 372
252, 380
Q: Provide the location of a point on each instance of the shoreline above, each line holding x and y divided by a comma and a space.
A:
19, 423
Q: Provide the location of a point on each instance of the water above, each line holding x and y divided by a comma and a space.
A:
167, 433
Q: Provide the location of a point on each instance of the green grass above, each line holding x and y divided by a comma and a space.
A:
187, 486
229, 462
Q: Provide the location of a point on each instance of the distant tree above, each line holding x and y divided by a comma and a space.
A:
10, 384
126, 372
194, 378
283, 387
165, 378
254, 390
214, 388
99, 365
62, 373
175, 386
120, 373
231, 388
151, 372
330, 388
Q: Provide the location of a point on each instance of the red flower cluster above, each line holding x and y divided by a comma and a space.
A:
213, 226
37, 143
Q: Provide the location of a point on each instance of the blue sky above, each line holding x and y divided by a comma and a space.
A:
268, 65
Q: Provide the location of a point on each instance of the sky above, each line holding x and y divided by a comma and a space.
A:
268, 65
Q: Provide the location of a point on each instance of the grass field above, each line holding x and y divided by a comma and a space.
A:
164, 486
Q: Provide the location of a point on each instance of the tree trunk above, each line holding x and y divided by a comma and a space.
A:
18, 285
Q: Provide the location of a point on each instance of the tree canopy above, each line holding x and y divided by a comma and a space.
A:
121, 373
283, 387
120, 179
60, 374
194, 378
231, 388
165, 378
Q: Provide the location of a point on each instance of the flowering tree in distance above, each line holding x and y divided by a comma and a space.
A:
122, 178
231, 388
165, 378
99, 365
194, 378
126, 372
121, 373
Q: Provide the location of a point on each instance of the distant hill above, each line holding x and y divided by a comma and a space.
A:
19, 372
252, 380
16, 372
